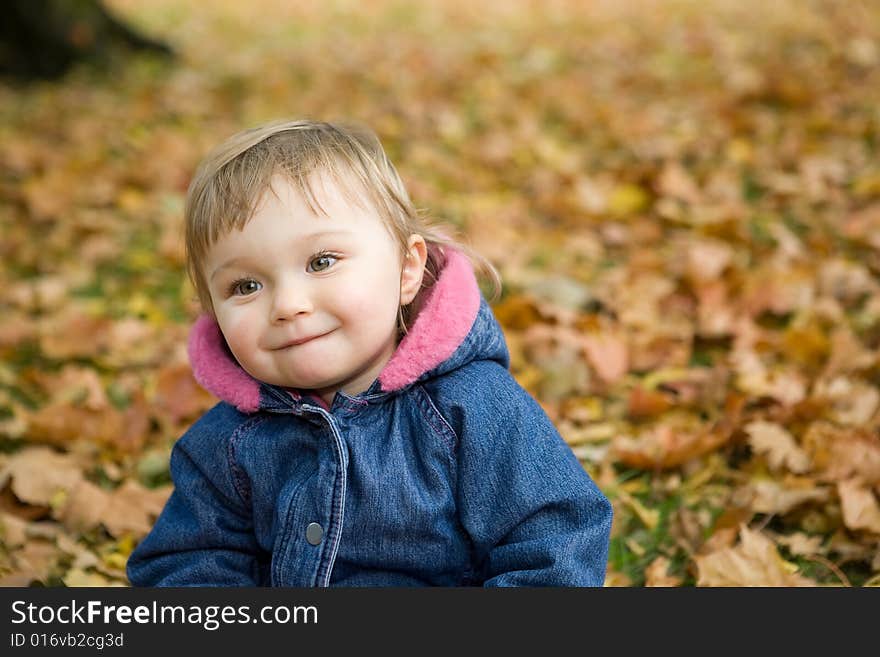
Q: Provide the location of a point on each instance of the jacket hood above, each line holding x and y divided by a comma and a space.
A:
454, 327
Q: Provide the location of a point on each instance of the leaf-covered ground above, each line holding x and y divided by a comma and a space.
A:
683, 199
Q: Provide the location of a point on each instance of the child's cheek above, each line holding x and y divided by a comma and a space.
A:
239, 330
371, 310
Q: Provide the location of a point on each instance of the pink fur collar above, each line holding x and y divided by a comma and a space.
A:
442, 324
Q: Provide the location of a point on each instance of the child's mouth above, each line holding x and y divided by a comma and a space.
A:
301, 341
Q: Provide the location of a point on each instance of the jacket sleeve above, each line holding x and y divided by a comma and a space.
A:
535, 516
204, 535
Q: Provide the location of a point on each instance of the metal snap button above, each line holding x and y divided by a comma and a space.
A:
314, 533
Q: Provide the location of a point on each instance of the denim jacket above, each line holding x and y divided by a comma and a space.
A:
445, 472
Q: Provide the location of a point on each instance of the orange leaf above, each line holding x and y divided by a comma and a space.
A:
607, 354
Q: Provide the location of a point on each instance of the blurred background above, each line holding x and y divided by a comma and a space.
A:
682, 197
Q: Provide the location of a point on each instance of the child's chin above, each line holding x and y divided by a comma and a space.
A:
310, 383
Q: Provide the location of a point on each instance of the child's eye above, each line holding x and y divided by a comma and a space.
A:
322, 261
244, 286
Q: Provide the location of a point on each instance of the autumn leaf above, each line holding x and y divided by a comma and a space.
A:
778, 445
859, 504
607, 354
774, 497
690, 283
37, 474
657, 574
755, 561
670, 443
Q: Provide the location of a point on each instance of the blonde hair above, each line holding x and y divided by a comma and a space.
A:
231, 180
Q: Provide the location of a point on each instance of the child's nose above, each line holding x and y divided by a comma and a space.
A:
290, 301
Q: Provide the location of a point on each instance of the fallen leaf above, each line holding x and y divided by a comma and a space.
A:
802, 544
755, 561
786, 385
607, 354
778, 445
13, 531
844, 452
853, 402
75, 333
131, 508
773, 497
668, 444
178, 396
79, 577
38, 473
657, 574
707, 259
859, 506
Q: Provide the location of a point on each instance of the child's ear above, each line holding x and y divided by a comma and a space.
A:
413, 268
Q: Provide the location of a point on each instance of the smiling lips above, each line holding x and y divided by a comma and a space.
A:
296, 343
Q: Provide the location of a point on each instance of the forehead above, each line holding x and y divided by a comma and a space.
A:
293, 214
318, 194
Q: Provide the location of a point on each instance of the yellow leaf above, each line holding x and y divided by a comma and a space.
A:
115, 560
649, 517
79, 577
629, 199
740, 151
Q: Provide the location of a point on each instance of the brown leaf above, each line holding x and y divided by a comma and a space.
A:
74, 334
707, 259
844, 452
676, 182
84, 507
847, 354
33, 562
643, 403
852, 402
801, 544
37, 474
74, 384
132, 342
517, 313
15, 328
179, 396
785, 384
774, 497
715, 315
133, 509
129, 509
63, 423
753, 562
859, 506
607, 354
778, 445
864, 226
13, 530
657, 574
668, 445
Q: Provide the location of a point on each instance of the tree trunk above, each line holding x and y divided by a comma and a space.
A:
42, 39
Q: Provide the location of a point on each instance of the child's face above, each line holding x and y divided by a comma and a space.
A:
308, 301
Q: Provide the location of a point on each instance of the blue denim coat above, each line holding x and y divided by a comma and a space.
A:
445, 472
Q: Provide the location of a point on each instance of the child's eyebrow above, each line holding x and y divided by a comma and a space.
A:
310, 237
327, 233
226, 265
